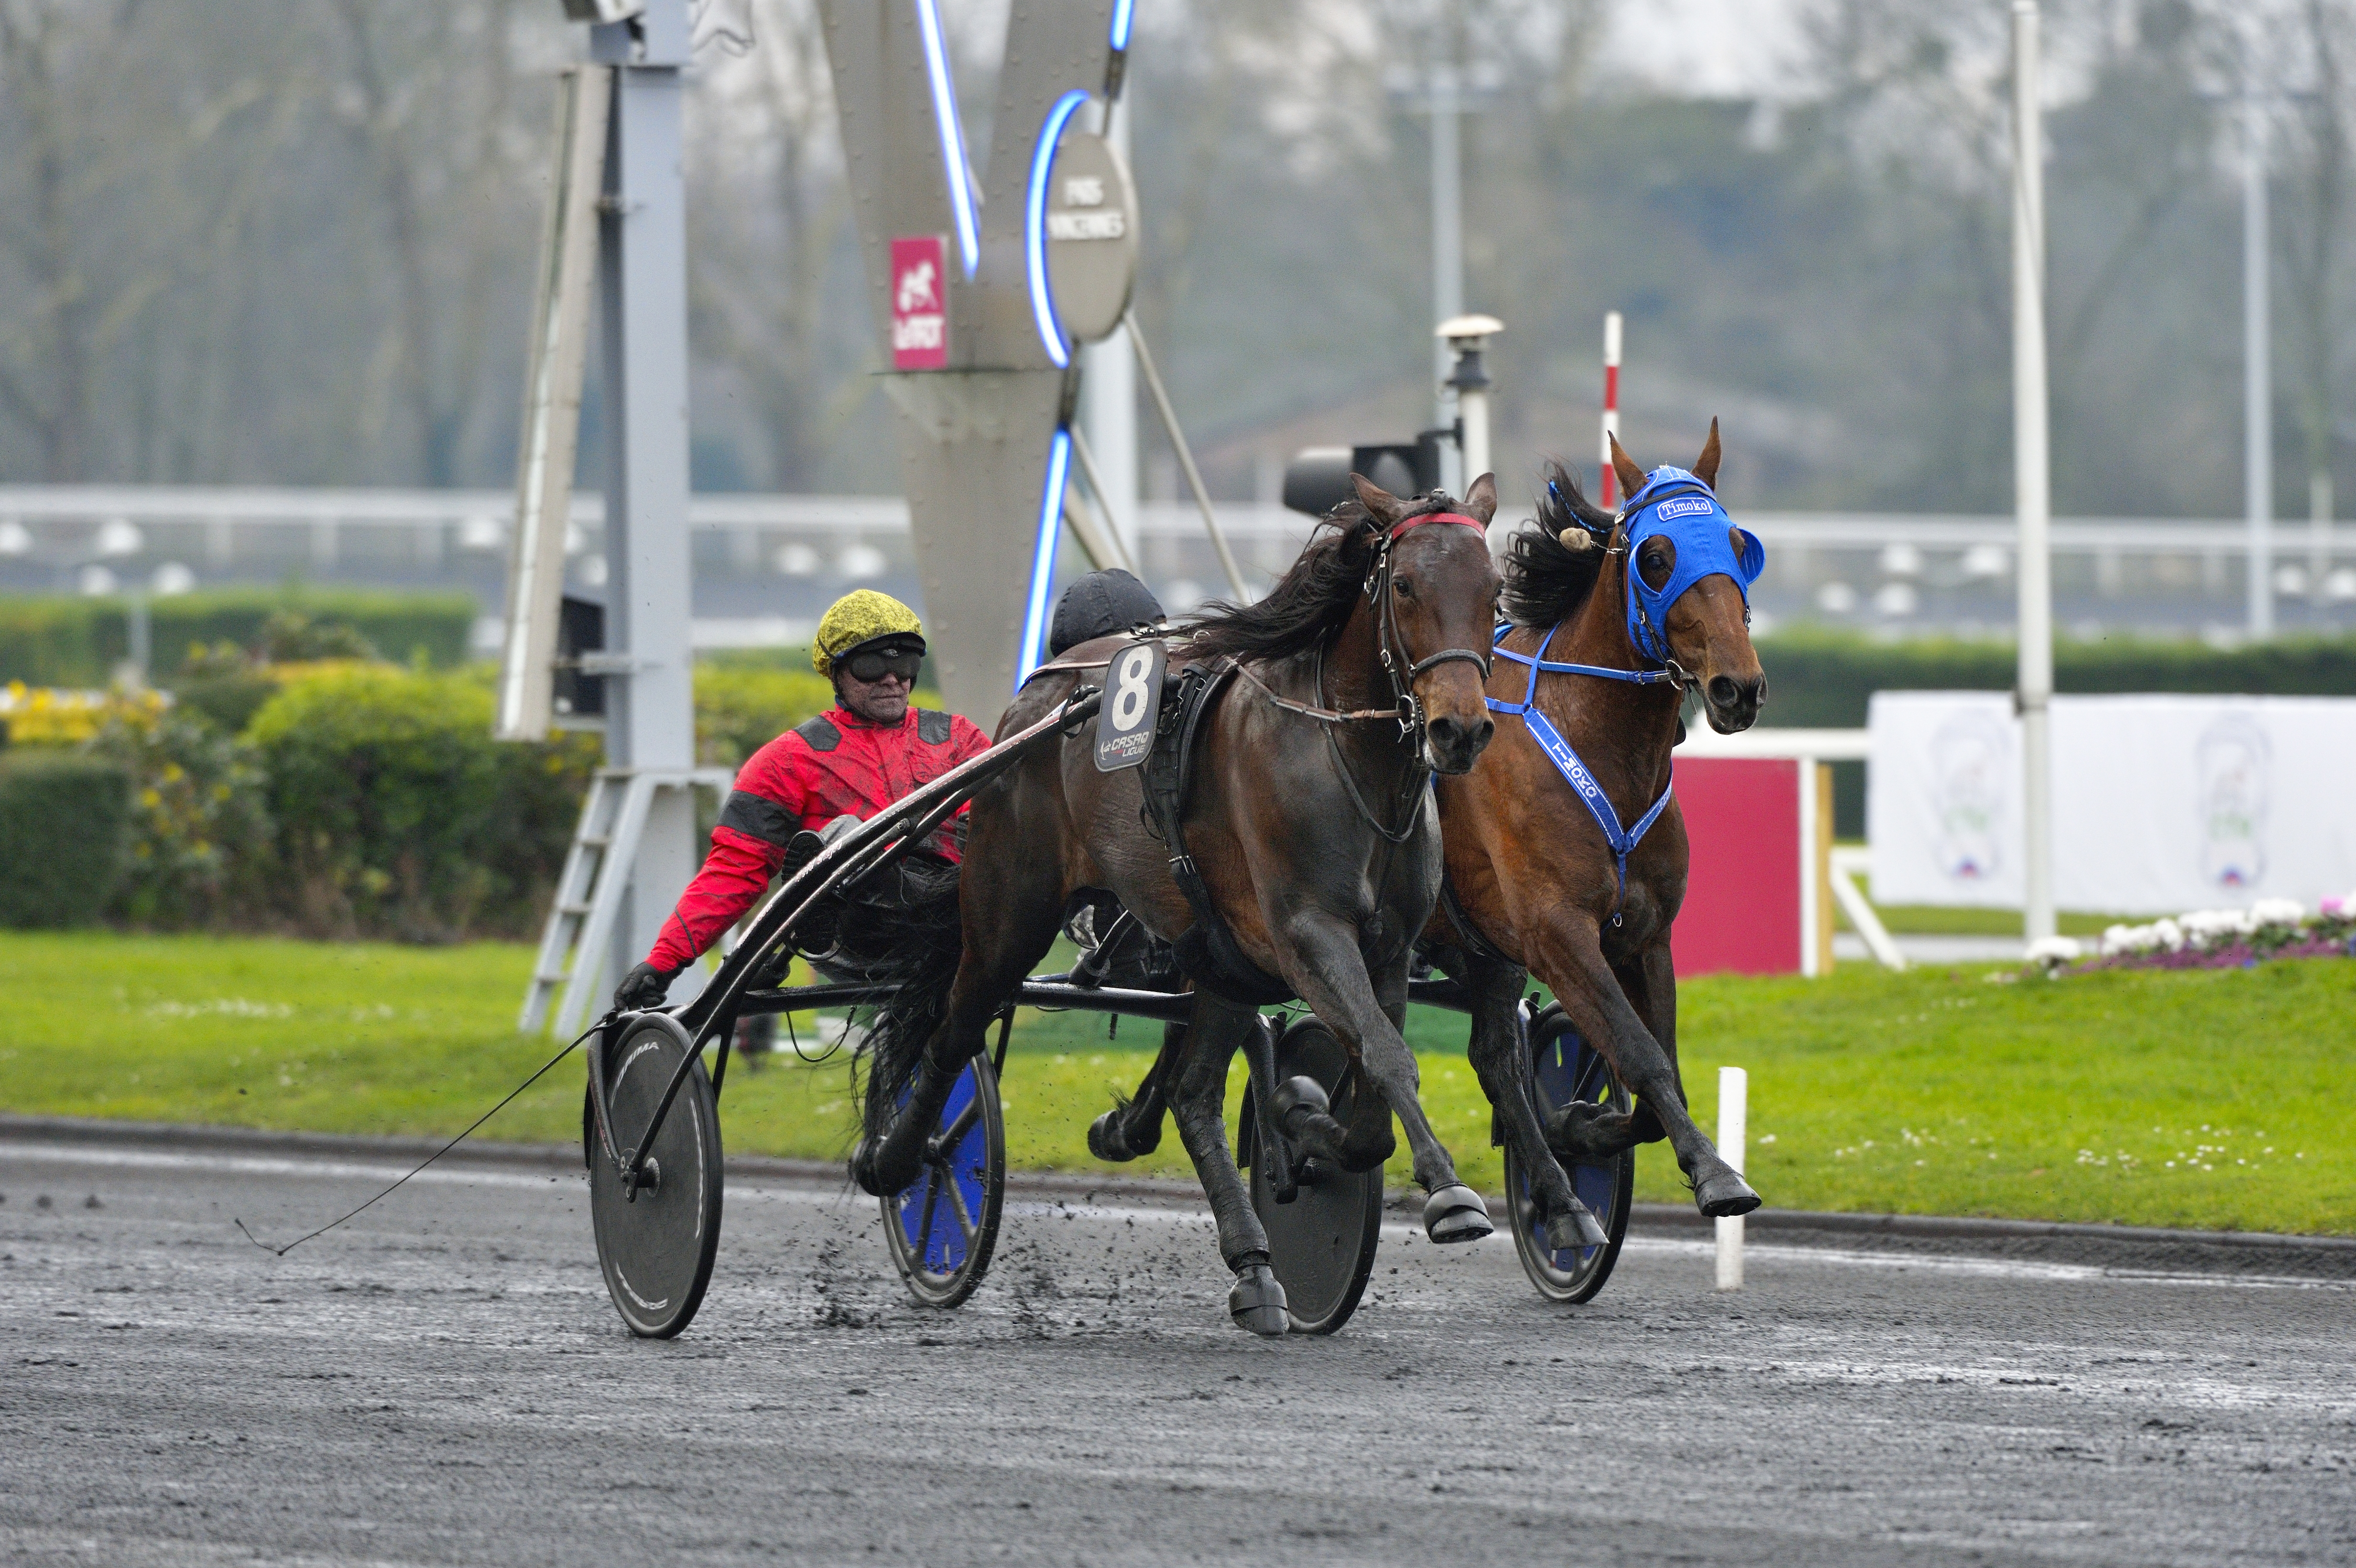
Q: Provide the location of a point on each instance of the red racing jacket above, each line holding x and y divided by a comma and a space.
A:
833, 766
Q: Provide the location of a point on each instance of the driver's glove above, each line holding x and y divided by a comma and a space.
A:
643, 988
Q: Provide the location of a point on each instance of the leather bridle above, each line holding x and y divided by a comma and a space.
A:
1402, 673
1406, 710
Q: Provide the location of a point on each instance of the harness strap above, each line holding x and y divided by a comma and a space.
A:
1207, 951
1621, 841
1310, 711
1470, 934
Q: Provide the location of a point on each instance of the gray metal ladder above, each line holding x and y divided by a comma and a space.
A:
589, 889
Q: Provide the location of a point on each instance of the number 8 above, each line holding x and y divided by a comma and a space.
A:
1129, 699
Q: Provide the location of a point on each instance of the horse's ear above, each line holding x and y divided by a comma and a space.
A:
1380, 504
1631, 478
1705, 465
1480, 500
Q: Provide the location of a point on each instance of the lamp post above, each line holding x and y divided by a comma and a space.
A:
2032, 492
2257, 370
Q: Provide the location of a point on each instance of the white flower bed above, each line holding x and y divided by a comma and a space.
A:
2213, 937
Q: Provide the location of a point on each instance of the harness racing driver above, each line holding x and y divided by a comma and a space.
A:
817, 780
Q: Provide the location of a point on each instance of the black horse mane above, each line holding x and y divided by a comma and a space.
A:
1312, 602
1545, 579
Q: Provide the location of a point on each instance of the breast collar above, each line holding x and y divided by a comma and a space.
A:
1621, 841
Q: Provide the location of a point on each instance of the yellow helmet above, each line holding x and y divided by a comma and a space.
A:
858, 616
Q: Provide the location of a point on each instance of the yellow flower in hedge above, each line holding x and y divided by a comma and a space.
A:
45, 716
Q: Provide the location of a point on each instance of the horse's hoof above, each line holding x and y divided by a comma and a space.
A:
863, 1168
1297, 1094
1724, 1195
1105, 1139
878, 1175
1456, 1214
1257, 1302
1576, 1228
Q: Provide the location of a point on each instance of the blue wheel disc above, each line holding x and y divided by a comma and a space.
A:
943, 1225
1564, 1069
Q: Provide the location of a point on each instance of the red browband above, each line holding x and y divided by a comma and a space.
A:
1441, 518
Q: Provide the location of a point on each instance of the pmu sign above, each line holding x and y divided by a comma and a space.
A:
920, 304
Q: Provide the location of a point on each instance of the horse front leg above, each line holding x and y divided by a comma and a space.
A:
1324, 966
1569, 959
1256, 1301
1499, 1052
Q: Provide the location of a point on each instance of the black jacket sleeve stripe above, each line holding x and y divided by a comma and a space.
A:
760, 817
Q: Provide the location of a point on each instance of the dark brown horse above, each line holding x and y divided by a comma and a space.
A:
1529, 867
1309, 821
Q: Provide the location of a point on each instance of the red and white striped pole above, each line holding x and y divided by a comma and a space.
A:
1610, 491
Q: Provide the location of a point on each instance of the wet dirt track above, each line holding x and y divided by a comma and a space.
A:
443, 1381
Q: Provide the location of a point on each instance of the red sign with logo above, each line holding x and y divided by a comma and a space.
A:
920, 303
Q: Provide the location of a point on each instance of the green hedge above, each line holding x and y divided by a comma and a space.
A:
65, 828
738, 711
398, 815
59, 640
1824, 679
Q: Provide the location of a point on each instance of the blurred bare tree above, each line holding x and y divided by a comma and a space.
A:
241, 241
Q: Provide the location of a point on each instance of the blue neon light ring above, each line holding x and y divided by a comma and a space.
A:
1123, 13
1034, 226
952, 133
1043, 556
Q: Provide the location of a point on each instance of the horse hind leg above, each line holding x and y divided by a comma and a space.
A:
1133, 1127
1499, 1054
1255, 1302
1009, 927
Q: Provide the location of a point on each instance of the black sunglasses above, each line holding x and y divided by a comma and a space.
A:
873, 664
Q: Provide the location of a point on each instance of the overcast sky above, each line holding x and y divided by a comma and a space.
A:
1708, 48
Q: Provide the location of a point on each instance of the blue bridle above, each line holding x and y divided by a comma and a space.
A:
1678, 504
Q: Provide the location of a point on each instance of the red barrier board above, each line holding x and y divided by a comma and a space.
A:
1744, 910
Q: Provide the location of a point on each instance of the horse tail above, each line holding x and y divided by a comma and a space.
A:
918, 957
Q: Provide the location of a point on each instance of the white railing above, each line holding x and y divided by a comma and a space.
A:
288, 506
1818, 562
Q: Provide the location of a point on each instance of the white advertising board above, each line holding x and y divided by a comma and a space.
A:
2160, 804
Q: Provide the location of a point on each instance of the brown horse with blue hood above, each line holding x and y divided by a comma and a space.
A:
1565, 851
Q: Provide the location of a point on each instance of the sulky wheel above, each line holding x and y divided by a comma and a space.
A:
1565, 1068
657, 1244
1322, 1245
943, 1225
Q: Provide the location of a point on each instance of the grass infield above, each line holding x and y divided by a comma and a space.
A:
2209, 1099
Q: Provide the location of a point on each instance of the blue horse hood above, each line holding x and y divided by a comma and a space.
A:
1677, 504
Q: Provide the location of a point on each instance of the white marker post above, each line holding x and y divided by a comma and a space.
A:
1733, 1113
1609, 482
